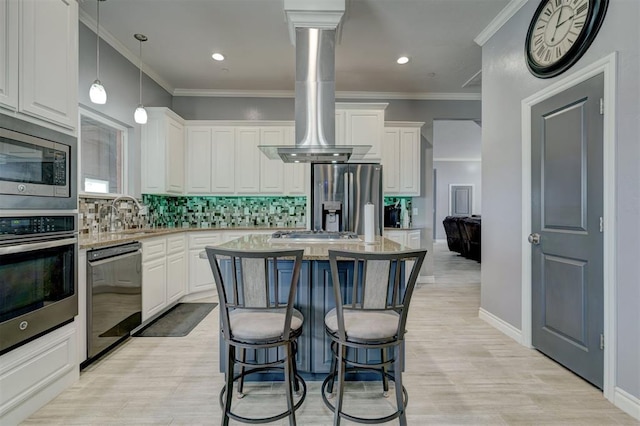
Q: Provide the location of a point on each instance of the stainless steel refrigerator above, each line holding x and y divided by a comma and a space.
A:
339, 193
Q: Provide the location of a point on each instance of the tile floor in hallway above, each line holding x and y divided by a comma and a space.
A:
459, 370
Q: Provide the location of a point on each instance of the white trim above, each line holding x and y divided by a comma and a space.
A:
608, 67
411, 124
374, 106
339, 95
122, 49
456, 159
238, 123
501, 325
473, 195
501, 18
627, 403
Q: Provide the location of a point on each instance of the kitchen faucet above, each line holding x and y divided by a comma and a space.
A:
114, 211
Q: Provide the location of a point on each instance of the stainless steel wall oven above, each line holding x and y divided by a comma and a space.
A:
37, 167
38, 275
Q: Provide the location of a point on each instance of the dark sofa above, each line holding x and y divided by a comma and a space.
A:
463, 235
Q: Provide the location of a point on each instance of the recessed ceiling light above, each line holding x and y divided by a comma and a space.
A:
294, 155
402, 60
218, 56
335, 154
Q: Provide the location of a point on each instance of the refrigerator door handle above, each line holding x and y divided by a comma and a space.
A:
352, 204
345, 211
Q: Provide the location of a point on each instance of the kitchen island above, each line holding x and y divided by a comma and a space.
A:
314, 297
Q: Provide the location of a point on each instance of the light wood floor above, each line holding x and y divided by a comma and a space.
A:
459, 370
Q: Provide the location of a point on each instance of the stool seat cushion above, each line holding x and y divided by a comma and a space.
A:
257, 325
365, 324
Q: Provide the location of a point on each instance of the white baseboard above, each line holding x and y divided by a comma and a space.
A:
200, 295
501, 325
627, 403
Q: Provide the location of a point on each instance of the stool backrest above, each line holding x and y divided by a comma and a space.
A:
248, 279
377, 283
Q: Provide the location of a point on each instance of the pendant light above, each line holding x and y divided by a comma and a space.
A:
140, 116
97, 94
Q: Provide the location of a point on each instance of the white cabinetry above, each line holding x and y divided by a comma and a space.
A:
272, 171
361, 124
154, 277
401, 158
164, 273
35, 373
224, 158
247, 164
162, 153
200, 275
176, 268
297, 177
406, 237
39, 59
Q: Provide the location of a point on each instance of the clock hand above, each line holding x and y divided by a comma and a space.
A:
553, 36
568, 19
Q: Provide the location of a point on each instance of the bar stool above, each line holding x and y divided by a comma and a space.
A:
253, 316
372, 316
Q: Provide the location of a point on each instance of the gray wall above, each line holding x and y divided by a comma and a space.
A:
212, 108
120, 79
505, 83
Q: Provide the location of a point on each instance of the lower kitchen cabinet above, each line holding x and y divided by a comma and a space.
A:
200, 275
164, 274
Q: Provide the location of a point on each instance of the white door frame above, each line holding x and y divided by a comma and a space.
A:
607, 66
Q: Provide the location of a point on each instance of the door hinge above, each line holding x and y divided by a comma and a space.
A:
601, 106
601, 341
601, 224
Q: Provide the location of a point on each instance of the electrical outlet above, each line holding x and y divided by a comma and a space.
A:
414, 211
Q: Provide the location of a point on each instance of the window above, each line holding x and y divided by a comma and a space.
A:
103, 147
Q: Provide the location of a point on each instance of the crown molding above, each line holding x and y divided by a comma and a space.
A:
122, 49
501, 18
339, 95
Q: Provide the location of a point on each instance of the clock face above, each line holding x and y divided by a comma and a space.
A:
560, 32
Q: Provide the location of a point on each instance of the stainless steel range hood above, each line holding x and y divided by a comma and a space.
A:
315, 104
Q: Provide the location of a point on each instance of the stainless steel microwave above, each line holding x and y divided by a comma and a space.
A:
37, 168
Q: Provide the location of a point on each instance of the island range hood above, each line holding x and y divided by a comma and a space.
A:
315, 104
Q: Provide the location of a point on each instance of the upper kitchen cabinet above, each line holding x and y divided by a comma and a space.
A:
361, 124
297, 176
222, 157
162, 153
39, 60
401, 158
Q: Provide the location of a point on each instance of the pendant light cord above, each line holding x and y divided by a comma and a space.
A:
140, 72
98, 43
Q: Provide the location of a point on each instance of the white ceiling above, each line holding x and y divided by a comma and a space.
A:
438, 36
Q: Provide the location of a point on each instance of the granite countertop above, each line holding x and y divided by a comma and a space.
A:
312, 250
105, 239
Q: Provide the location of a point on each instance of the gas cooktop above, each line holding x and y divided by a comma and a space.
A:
315, 236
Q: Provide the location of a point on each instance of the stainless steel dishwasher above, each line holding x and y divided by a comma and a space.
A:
114, 295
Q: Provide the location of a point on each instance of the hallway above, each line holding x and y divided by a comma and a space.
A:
459, 370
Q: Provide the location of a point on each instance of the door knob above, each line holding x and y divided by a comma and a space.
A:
534, 238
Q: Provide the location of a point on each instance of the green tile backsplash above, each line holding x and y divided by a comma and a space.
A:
216, 211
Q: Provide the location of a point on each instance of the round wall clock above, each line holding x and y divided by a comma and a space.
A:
560, 33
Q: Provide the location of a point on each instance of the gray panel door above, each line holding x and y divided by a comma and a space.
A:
567, 250
461, 200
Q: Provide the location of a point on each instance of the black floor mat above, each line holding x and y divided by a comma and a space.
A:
179, 321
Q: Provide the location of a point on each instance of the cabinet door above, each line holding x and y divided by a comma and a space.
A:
271, 171
48, 81
176, 276
198, 160
200, 275
9, 54
175, 157
296, 175
223, 160
391, 161
396, 236
365, 127
247, 164
413, 239
154, 284
341, 131
409, 162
